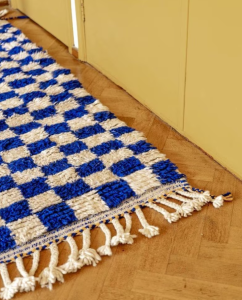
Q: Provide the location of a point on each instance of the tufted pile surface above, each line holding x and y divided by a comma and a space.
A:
67, 165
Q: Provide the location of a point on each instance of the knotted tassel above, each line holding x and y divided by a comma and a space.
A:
8, 291
195, 201
179, 208
3, 12
122, 236
105, 249
88, 256
200, 199
52, 273
148, 230
27, 282
218, 201
170, 217
72, 264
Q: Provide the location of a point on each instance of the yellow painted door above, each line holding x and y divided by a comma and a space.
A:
213, 103
141, 45
53, 15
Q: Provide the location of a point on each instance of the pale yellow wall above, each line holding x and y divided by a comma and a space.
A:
140, 44
213, 103
53, 15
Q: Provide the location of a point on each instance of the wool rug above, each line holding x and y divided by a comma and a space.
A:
68, 165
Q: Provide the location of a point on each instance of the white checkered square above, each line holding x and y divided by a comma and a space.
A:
63, 138
66, 105
34, 135
142, 180
15, 153
27, 175
20, 55
99, 139
63, 78
131, 137
47, 156
54, 90
115, 156
111, 124
69, 175
28, 89
4, 88
80, 158
30, 66
39, 103
9, 197
79, 93
52, 120
99, 178
43, 77
17, 120
41, 201
96, 107
89, 203
4, 170
150, 157
7, 134
79, 123
11, 103
26, 229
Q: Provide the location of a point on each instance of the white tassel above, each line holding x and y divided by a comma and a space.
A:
52, 273
105, 249
148, 230
72, 264
184, 212
170, 217
26, 283
3, 12
122, 237
186, 209
8, 291
218, 201
88, 256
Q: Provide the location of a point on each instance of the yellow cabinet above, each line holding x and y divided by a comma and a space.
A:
141, 46
53, 15
213, 102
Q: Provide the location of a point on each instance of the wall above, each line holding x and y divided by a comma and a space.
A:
53, 15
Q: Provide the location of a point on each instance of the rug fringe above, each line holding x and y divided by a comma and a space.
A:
191, 200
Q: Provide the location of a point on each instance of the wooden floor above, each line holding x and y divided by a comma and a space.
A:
199, 257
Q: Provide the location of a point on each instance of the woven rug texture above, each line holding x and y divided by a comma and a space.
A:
68, 165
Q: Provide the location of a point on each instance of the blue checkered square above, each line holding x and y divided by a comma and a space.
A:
113, 193
21, 164
56, 216
15, 211
91, 167
35, 187
127, 166
56, 167
72, 190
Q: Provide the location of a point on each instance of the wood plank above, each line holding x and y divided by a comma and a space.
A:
205, 269
173, 287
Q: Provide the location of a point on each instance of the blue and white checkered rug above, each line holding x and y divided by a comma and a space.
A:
67, 165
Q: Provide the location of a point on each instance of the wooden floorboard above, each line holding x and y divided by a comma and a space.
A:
197, 258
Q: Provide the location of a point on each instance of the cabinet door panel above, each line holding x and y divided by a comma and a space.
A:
213, 102
140, 44
54, 16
